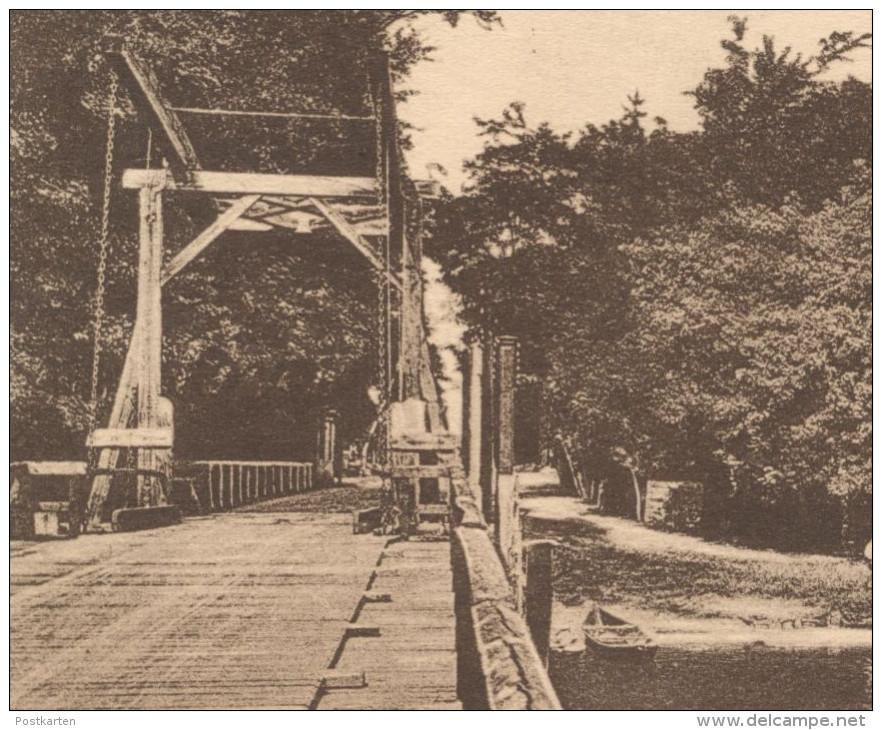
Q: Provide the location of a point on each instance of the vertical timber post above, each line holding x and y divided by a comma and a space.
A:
506, 369
149, 316
508, 523
487, 462
325, 465
405, 250
474, 420
465, 438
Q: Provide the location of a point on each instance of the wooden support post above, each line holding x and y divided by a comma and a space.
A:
538, 593
125, 400
327, 448
466, 411
507, 517
473, 421
503, 384
212, 504
411, 318
506, 367
487, 467
149, 317
429, 389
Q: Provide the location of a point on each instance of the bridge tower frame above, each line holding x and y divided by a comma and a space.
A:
363, 211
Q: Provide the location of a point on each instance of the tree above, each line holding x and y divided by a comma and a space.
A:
757, 325
696, 305
772, 126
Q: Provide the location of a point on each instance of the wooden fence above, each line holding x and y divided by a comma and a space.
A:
219, 485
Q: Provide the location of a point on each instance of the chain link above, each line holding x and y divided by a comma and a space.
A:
384, 287
98, 302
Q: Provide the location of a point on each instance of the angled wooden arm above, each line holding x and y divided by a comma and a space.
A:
347, 230
204, 239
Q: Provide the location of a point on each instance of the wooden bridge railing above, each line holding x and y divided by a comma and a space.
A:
498, 664
219, 485
502, 588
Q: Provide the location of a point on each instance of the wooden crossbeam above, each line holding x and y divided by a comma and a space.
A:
251, 183
204, 239
145, 95
131, 438
435, 471
246, 183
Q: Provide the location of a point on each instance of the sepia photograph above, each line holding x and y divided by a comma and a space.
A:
429, 360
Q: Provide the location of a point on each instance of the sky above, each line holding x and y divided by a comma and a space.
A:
572, 67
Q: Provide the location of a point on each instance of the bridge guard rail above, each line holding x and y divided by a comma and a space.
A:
498, 665
221, 485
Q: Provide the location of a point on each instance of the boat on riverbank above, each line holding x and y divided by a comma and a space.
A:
608, 634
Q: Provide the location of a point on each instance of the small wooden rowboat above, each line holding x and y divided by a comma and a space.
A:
612, 635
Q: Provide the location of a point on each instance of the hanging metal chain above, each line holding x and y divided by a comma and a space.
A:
98, 303
384, 291
382, 283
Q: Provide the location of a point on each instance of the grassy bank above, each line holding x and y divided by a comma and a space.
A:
616, 561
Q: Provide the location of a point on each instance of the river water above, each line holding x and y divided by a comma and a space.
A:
742, 678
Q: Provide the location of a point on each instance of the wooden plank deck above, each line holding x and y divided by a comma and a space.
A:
411, 664
234, 611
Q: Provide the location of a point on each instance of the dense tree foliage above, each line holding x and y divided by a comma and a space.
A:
696, 304
266, 328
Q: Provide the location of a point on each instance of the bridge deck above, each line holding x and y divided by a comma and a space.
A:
235, 611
